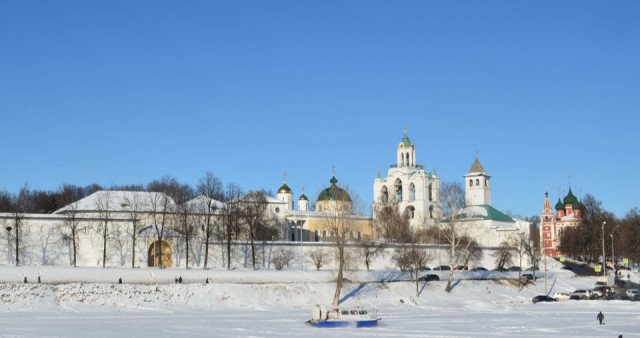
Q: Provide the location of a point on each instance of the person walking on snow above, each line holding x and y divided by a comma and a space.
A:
600, 317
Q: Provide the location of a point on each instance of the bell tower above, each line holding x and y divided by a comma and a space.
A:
406, 152
478, 189
547, 225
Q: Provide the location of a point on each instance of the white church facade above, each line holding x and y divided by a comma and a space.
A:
415, 190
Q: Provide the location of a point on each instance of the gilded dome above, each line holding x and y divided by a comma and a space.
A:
284, 189
303, 198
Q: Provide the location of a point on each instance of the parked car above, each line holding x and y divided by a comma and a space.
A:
619, 283
567, 267
574, 297
597, 293
442, 267
514, 268
428, 277
583, 294
632, 292
500, 269
527, 276
461, 268
603, 291
543, 299
636, 297
478, 268
561, 296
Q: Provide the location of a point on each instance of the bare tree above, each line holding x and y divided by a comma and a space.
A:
185, 217
44, 237
504, 255
338, 222
533, 250
232, 217
453, 226
19, 205
319, 257
71, 226
518, 244
390, 224
211, 188
371, 250
254, 211
282, 257
469, 252
160, 207
410, 257
103, 206
135, 205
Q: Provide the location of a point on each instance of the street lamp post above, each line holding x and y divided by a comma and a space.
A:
8, 243
603, 257
613, 257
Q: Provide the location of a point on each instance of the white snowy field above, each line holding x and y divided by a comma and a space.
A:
85, 302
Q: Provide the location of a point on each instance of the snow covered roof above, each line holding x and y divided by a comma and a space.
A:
118, 201
201, 203
485, 211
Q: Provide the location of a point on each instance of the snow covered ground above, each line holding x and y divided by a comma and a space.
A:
85, 302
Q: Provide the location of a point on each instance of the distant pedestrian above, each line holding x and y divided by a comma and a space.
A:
600, 317
180, 279
39, 281
120, 280
176, 278
25, 279
206, 281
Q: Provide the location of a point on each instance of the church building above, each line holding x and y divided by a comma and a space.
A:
409, 185
569, 213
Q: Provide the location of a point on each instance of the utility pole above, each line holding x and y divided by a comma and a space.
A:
604, 265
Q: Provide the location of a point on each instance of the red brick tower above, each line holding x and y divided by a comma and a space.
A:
547, 229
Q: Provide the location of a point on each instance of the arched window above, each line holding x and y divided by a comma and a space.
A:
324, 234
384, 195
359, 235
398, 186
430, 193
408, 163
477, 182
316, 235
411, 211
431, 211
471, 183
486, 182
412, 192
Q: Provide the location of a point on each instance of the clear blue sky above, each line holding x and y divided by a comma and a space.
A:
126, 92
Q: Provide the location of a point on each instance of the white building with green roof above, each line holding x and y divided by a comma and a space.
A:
486, 224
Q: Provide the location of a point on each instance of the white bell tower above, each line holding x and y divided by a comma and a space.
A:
406, 152
478, 187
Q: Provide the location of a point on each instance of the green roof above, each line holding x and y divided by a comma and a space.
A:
492, 214
405, 141
334, 193
559, 205
570, 199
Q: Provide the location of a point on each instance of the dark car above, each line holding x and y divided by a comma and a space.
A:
543, 299
527, 276
428, 277
514, 268
500, 269
478, 268
574, 297
442, 267
620, 283
567, 267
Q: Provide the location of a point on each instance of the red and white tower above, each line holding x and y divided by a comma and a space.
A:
547, 229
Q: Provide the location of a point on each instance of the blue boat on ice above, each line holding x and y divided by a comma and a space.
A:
339, 317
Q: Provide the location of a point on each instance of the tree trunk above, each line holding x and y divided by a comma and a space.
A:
73, 235
133, 250
104, 246
206, 244
187, 245
17, 244
253, 253
336, 297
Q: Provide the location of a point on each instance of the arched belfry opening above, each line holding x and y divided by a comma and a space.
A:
384, 195
398, 188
